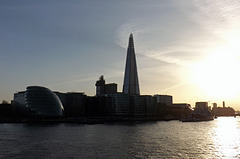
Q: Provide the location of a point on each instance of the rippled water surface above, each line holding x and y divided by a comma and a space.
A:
172, 139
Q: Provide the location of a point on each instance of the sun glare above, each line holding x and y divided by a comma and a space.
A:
218, 75
226, 137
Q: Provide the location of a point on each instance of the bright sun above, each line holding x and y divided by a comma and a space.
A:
219, 75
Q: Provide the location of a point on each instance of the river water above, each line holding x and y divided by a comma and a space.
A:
173, 139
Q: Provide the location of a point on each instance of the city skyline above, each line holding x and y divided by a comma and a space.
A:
66, 46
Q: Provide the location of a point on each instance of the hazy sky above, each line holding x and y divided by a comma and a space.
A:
185, 48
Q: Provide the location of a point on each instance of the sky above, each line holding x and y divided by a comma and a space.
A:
185, 48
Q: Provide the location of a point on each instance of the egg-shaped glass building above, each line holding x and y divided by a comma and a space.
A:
42, 101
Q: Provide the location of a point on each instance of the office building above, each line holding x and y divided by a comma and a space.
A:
164, 99
201, 107
214, 105
19, 99
102, 88
130, 84
100, 85
75, 104
118, 104
42, 101
110, 88
180, 110
151, 106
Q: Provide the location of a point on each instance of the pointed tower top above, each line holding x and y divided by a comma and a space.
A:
131, 35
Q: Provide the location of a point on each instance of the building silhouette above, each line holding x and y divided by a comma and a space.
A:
102, 88
42, 101
130, 84
222, 111
37, 101
164, 99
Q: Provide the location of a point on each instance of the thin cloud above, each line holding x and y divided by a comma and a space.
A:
76, 79
172, 87
175, 55
124, 31
135, 26
220, 17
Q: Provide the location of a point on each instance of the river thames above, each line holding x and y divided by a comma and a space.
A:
172, 139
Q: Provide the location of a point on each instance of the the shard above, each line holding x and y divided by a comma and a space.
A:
131, 85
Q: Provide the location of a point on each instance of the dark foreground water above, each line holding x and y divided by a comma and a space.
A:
173, 139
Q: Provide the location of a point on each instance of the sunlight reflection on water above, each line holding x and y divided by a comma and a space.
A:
226, 137
172, 139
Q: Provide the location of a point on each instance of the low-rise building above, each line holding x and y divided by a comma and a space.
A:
180, 110
19, 99
118, 104
75, 104
102, 88
201, 107
164, 99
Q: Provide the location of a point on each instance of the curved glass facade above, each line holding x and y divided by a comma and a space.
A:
42, 101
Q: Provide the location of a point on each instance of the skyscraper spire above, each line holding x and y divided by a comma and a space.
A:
131, 85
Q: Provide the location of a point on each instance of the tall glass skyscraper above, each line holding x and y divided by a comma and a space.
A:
131, 85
